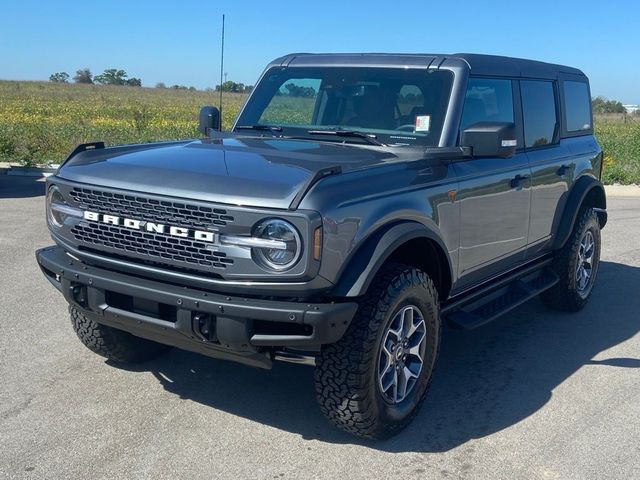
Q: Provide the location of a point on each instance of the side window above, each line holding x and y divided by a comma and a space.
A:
293, 103
539, 112
577, 106
487, 100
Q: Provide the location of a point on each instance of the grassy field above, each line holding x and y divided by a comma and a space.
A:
619, 137
41, 122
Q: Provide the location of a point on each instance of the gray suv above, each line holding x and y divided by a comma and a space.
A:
358, 203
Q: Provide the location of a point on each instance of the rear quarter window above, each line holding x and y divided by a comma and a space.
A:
539, 112
577, 107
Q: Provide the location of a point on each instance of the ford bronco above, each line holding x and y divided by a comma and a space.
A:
359, 202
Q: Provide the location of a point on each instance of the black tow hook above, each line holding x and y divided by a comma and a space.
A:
204, 326
79, 294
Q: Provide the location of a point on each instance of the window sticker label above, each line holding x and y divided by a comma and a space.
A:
423, 123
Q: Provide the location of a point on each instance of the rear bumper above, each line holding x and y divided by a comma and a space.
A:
234, 328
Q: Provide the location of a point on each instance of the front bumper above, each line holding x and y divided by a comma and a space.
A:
242, 329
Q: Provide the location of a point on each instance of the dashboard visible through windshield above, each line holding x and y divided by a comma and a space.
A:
377, 105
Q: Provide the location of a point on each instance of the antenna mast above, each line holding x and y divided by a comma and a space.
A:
221, 70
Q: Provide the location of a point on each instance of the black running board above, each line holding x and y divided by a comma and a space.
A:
487, 304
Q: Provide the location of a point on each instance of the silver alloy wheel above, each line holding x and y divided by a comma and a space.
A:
402, 354
585, 267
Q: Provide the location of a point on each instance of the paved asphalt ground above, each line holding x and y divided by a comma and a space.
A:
535, 395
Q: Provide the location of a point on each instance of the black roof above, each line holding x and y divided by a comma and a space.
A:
476, 63
513, 67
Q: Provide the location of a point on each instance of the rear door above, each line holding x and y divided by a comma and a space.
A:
494, 193
552, 164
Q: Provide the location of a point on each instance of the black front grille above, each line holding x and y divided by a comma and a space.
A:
150, 245
151, 209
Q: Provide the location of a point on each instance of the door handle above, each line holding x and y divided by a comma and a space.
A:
563, 169
515, 181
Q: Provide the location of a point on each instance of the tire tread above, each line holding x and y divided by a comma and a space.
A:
112, 343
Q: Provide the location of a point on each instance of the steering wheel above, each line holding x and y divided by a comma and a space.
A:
406, 127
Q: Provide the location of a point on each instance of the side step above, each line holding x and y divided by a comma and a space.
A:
480, 309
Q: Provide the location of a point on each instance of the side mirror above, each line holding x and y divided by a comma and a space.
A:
490, 139
209, 119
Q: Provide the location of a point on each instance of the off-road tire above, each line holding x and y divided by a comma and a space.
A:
112, 343
565, 295
346, 375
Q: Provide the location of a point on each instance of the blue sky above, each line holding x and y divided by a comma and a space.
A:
178, 41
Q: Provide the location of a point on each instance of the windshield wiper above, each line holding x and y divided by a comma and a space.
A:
266, 128
369, 137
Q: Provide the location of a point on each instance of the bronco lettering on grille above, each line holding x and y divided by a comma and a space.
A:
133, 224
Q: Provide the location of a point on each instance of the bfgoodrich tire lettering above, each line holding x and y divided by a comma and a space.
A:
112, 343
346, 376
570, 294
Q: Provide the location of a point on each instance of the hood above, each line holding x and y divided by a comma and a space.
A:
247, 171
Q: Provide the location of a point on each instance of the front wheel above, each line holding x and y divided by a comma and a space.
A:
373, 381
577, 265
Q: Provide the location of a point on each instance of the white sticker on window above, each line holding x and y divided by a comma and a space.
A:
423, 123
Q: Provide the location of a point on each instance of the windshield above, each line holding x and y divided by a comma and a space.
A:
397, 106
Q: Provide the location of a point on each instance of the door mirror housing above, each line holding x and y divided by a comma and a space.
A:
490, 139
209, 119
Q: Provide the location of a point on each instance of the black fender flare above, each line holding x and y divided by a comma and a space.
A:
582, 188
363, 266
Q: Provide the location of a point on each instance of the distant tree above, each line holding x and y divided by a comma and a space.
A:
112, 76
160, 85
179, 87
602, 105
134, 82
298, 91
59, 77
234, 87
192, 89
83, 76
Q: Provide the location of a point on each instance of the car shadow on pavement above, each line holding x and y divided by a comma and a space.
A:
486, 380
21, 187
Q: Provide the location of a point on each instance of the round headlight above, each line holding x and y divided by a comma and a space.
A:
286, 249
55, 216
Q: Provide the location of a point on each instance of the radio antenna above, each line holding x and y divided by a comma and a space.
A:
221, 70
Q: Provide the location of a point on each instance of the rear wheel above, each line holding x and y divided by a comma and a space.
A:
373, 381
112, 343
577, 265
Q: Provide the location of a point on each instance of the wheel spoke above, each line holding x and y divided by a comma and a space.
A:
416, 345
388, 379
584, 278
395, 386
388, 363
396, 327
407, 321
588, 258
579, 273
404, 381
